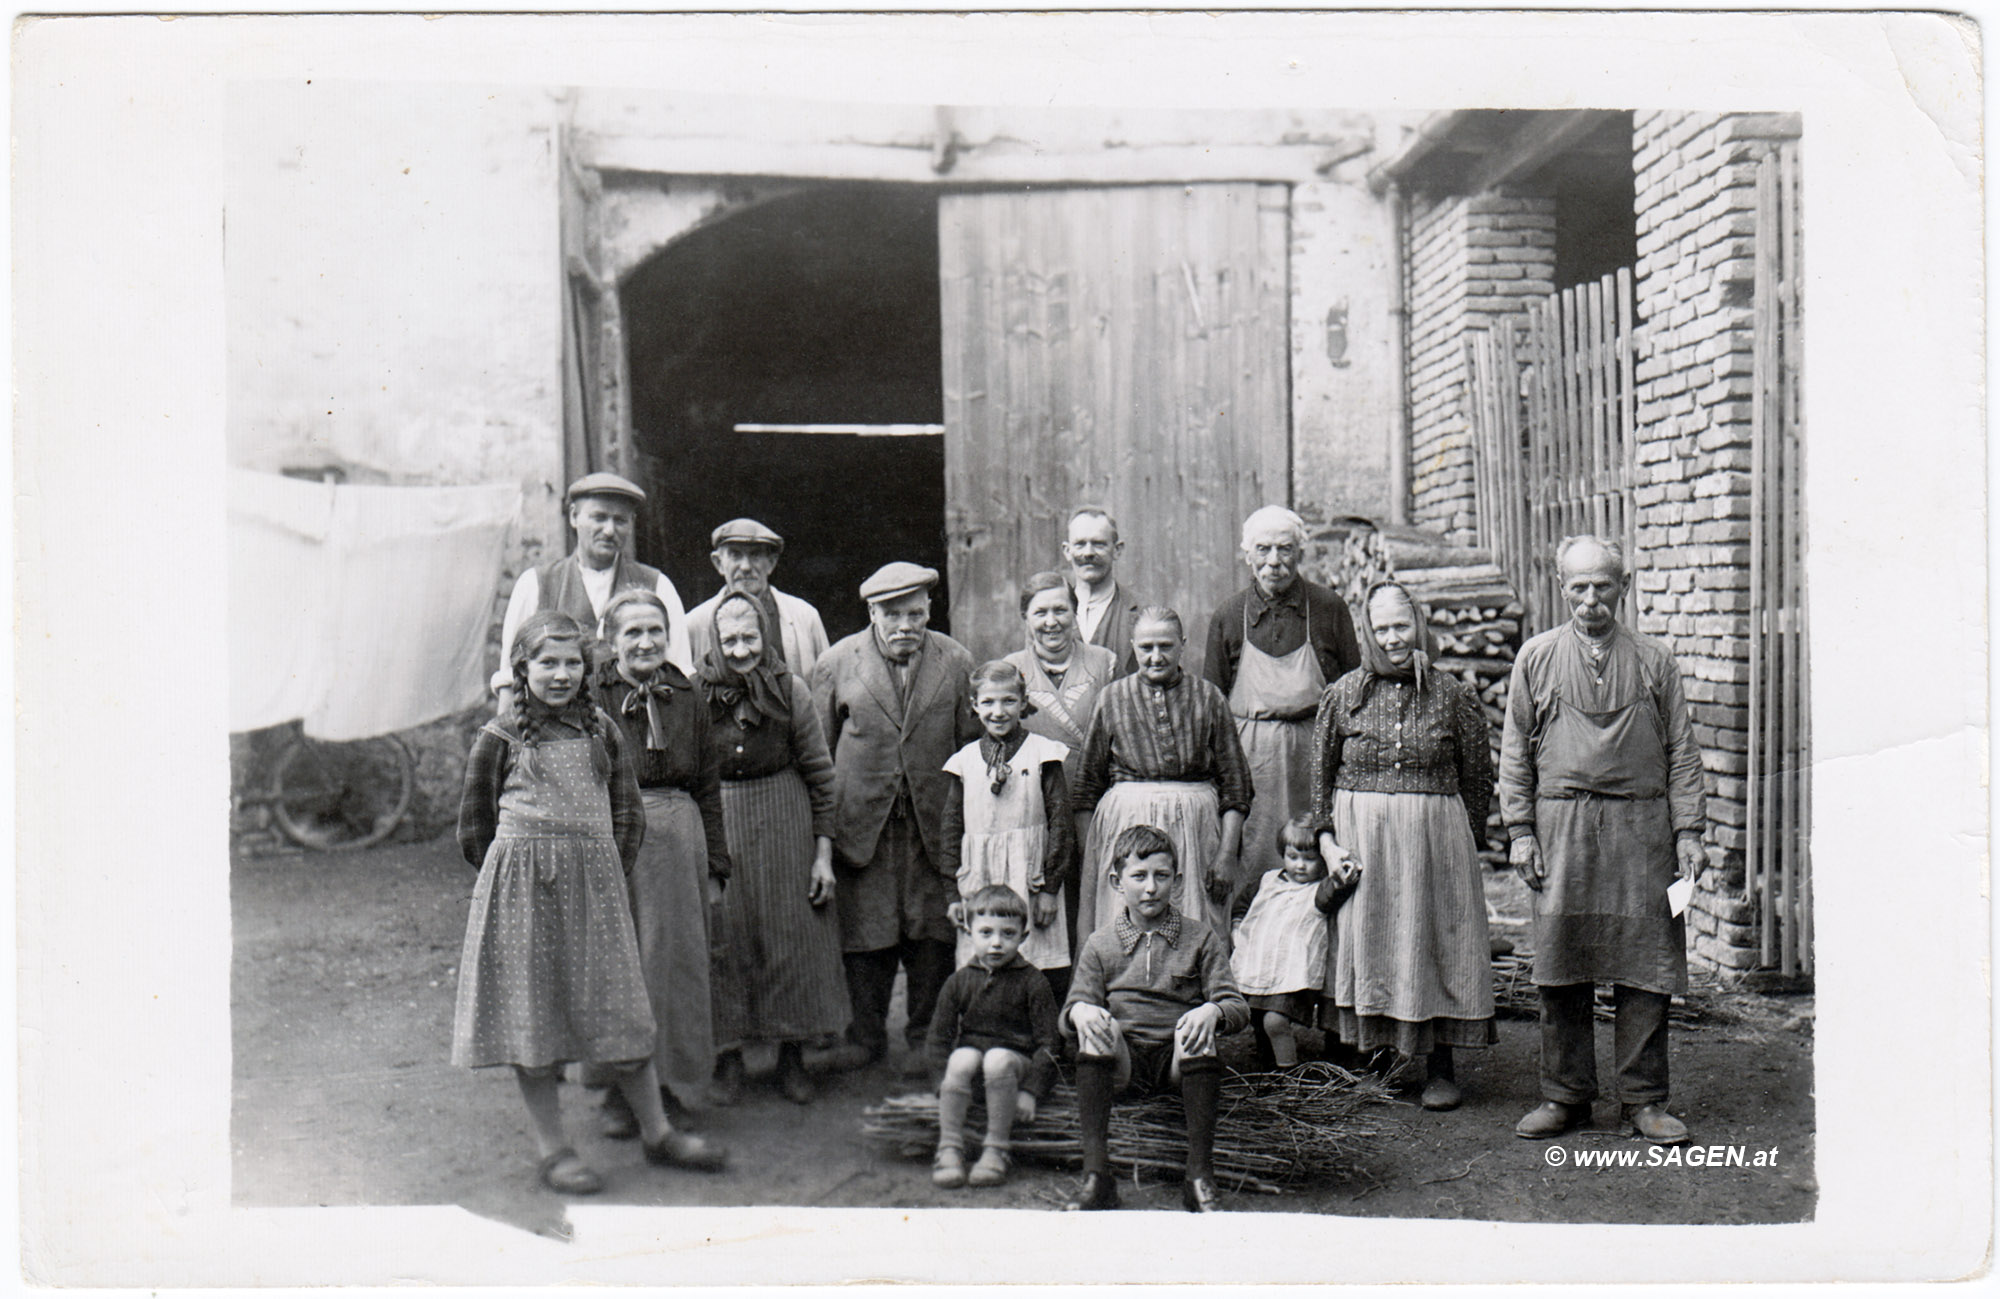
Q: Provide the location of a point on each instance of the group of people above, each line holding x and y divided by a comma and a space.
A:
702, 831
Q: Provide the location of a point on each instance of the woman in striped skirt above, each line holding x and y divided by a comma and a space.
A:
781, 979
1402, 776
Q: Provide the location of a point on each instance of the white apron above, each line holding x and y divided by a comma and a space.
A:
1280, 941
1005, 837
1273, 701
1184, 811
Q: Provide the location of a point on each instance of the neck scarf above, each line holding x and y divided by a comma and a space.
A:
1376, 659
998, 754
750, 696
653, 694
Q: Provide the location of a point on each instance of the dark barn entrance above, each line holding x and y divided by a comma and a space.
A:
816, 309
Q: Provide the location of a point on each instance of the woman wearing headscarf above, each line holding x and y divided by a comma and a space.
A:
684, 859
781, 978
1402, 776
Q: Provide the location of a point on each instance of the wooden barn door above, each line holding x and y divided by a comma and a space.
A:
1121, 346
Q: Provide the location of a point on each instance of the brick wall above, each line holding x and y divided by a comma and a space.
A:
1696, 213
1468, 259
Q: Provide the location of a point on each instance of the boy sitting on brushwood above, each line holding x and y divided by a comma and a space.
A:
1152, 992
996, 1022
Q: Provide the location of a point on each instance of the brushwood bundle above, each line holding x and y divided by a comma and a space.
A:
1274, 1129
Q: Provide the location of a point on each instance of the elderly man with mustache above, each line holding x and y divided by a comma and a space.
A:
1273, 648
895, 701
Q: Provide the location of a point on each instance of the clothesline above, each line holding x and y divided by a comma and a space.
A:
360, 610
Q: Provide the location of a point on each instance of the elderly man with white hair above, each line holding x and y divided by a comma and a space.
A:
1601, 789
1273, 648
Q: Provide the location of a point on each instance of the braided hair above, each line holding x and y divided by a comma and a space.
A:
531, 715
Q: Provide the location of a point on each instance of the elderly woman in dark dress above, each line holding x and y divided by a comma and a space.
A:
1402, 775
783, 977
684, 858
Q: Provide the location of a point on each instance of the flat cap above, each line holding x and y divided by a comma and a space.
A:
899, 578
746, 532
602, 484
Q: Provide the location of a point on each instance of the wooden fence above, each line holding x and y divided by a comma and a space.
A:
1778, 812
1552, 414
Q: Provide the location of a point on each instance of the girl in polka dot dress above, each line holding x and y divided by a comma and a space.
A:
550, 973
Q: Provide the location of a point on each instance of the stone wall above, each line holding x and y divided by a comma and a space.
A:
391, 283
1467, 260
1696, 211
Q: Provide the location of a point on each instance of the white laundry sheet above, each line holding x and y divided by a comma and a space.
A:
360, 610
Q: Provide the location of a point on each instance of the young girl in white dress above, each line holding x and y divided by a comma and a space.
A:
1279, 954
1011, 822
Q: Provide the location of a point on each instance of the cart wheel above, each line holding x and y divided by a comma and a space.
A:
334, 797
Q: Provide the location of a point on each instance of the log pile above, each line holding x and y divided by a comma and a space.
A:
1305, 1123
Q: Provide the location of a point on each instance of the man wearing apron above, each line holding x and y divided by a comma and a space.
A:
1273, 647
1601, 790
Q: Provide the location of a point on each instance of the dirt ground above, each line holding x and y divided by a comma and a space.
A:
344, 972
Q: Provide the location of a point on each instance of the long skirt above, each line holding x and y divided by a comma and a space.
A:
550, 973
1185, 811
670, 910
784, 980
1409, 966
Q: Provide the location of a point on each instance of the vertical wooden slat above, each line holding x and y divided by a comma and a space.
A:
1757, 866
1599, 394
1628, 416
1791, 358
1793, 533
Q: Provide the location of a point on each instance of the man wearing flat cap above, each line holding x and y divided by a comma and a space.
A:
745, 553
896, 702
602, 510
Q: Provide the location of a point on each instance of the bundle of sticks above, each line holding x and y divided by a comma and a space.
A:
1273, 1129
1514, 996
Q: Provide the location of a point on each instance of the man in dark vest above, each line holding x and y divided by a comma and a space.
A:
602, 510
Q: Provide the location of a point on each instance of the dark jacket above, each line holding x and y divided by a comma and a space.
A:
881, 747
1114, 630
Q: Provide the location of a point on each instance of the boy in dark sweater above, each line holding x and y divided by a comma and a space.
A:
995, 1017
1151, 994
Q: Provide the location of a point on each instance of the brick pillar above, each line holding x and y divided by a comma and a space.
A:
1469, 260
1696, 198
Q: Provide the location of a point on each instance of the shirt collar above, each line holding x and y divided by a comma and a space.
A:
1293, 599
1129, 934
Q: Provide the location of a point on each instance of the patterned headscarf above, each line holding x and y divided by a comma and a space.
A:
750, 696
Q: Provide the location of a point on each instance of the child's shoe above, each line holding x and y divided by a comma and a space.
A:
1099, 1192
948, 1168
991, 1170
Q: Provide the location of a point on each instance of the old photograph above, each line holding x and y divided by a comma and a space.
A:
825, 651
801, 414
